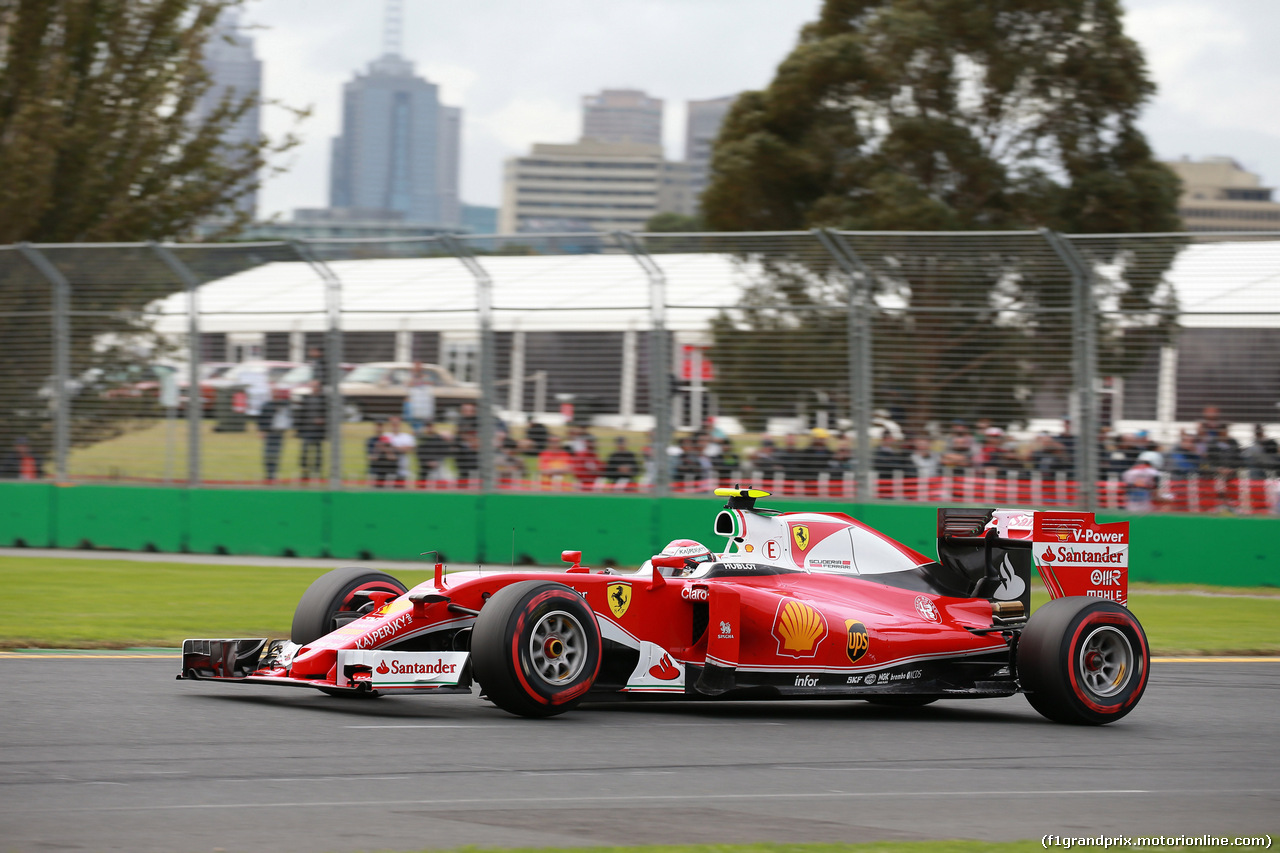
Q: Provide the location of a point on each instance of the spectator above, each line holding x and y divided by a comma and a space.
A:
791, 460
508, 467
1048, 456
994, 454
432, 451
312, 425
622, 468
726, 461
381, 456
1262, 456
959, 452
319, 365
765, 459
816, 458
924, 459
691, 466
1140, 484
420, 402
468, 420
537, 435
890, 457
22, 463
1184, 458
466, 456
403, 443
274, 420
585, 463
555, 461
841, 459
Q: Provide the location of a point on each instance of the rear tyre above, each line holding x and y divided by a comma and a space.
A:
332, 598
1083, 661
535, 648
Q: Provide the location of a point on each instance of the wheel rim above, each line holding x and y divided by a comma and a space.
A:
558, 648
1106, 661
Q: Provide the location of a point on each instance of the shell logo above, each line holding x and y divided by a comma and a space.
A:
799, 629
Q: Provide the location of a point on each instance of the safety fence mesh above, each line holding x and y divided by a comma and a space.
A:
1133, 372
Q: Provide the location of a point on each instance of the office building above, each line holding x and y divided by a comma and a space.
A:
234, 72
622, 115
701, 130
591, 186
1219, 195
399, 148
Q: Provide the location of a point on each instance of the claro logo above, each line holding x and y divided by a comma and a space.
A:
693, 594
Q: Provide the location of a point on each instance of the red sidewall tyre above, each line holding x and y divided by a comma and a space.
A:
536, 648
1083, 660
335, 592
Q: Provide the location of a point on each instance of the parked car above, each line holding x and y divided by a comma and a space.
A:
237, 377
379, 388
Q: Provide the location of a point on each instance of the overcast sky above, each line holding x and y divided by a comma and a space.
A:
519, 69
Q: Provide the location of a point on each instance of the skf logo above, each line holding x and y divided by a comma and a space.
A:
857, 642
619, 598
801, 534
799, 629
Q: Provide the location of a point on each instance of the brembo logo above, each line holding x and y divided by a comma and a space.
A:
383, 632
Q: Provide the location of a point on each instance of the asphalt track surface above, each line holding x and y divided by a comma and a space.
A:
111, 753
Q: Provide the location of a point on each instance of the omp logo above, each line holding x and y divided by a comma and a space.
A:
801, 534
619, 598
799, 629
1105, 577
858, 643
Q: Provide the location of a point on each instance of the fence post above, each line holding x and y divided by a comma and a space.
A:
860, 358
1084, 366
660, 374
488, 372
332, 355
61, 354
194, 397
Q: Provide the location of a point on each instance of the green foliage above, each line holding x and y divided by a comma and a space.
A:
675, 223
97, 137
949, 115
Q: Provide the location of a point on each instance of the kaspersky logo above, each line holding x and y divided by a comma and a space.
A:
799, 629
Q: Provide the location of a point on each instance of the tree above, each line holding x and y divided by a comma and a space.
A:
97, 138
98, 142
953, 115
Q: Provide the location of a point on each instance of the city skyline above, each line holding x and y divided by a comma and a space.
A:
1211, 62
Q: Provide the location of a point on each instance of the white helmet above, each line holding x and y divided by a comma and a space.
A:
693, 552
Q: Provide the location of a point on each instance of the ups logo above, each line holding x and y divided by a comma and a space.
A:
857, 642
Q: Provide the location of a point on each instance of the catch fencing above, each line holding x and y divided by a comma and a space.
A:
1010, 368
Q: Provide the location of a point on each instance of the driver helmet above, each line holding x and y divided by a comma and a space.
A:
694, 553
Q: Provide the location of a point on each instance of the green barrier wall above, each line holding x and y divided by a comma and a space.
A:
530, 528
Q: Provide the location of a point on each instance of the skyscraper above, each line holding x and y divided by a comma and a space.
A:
399, 148
705, 118
234, 71
622, 115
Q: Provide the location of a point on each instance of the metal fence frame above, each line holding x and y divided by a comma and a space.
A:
861, 308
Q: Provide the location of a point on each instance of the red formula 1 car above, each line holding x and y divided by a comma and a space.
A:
798, 605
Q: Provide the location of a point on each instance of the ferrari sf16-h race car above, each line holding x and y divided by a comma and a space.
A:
798, 605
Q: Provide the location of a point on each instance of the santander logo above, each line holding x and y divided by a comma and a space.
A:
1047, 556
383, 669
664, 669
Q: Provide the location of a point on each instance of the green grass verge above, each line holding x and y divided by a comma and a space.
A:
87, 604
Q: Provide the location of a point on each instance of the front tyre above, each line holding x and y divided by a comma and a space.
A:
535, 648
1083, 661
333, 599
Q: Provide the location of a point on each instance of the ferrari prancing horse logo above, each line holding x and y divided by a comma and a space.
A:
619, 598
801, 534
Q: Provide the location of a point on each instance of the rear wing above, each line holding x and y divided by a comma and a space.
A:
1073, 552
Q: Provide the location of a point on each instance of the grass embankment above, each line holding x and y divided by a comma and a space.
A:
85, 604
